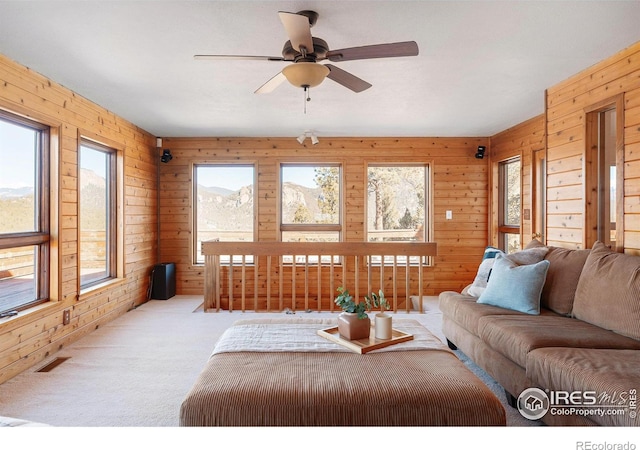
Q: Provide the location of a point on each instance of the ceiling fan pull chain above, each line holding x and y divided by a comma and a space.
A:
307, 90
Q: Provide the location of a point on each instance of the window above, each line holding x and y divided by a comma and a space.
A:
396, 203
24, 213
539, 195
223, 204
509, 205
604, 176
97, 219
310, 203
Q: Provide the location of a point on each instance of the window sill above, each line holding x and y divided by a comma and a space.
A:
28, 315
100, 288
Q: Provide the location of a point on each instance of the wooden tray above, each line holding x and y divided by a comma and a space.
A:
365, 345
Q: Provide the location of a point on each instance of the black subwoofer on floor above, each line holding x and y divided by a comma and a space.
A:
163, 281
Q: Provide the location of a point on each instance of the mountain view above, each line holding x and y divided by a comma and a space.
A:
17, 208
221, 209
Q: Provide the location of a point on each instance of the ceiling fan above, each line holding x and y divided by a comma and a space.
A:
305, 51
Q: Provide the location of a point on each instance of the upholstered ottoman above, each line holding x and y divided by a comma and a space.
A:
279, 372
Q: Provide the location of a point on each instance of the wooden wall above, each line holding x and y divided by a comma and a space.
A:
566, 104
523, 140
32, 336
459, 184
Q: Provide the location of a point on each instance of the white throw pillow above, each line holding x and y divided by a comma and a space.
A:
523, 257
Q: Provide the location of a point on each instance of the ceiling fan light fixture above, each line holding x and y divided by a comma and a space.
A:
305, 74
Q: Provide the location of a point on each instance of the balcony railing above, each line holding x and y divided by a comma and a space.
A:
275, 276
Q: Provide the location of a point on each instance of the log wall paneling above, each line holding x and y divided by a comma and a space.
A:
566, 104
523, 141
459, 183
32, 336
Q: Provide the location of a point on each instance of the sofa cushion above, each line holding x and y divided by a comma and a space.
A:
515, 287
515, 336
608, 291
564, 272
611, 374
464, 310
527, 256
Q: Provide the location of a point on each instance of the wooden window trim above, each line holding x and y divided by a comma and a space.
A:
116, 260
41, 237
193, 222
499, 208
310, 227
590, 171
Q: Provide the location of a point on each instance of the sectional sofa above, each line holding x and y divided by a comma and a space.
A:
578, 341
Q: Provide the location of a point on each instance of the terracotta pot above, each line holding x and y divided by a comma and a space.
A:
352, 328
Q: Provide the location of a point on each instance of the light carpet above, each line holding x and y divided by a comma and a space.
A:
136, 370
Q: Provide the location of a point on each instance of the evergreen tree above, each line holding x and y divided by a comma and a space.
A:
327, 178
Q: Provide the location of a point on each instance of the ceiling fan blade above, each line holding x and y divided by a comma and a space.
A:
409, 48
239, 57
346, 79
270, 85
298, 29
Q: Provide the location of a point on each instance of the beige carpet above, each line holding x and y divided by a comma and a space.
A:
136, 370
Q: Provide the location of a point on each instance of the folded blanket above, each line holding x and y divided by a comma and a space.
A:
300, 335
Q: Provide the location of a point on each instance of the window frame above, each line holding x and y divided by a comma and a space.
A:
506, 229
592, 183
195, 251
112, 254
40, 238
312, 227
428, 205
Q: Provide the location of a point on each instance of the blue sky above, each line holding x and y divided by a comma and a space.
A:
16, 156
17, 162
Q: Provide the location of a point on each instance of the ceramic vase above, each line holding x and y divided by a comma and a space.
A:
353, 328
383, 326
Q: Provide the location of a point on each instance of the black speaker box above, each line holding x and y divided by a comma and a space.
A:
163, 281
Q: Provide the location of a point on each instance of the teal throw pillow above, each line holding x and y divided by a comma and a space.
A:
515, 287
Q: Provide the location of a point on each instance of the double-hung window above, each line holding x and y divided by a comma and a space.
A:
310, 204
224, 206
509, 204
24, 213
97, 179
397, 203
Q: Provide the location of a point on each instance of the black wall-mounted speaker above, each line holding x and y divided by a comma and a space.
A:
480, 153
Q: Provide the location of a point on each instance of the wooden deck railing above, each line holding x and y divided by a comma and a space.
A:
274, 276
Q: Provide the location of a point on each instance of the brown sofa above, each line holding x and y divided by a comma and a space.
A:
585, 339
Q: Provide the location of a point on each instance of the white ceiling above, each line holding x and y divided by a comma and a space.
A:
483, 65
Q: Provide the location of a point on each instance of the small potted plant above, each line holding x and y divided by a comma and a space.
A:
383, 321
353, 322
